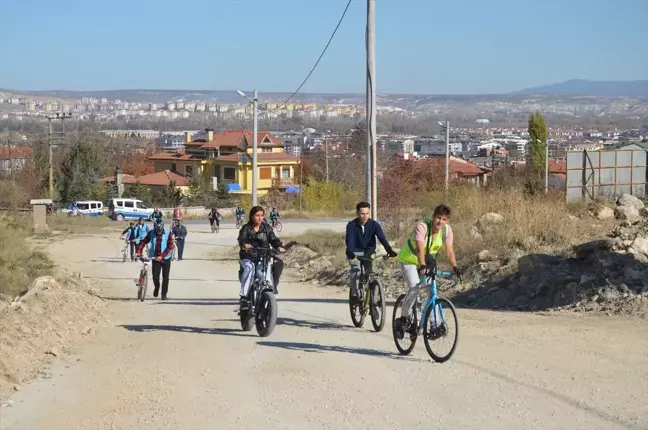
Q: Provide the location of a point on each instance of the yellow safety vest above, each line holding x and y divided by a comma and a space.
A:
407, 254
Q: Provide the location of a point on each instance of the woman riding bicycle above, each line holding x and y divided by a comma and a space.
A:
253, 235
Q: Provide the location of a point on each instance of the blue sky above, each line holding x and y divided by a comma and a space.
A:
422, 46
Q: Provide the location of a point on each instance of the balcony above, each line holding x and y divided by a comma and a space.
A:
283, 182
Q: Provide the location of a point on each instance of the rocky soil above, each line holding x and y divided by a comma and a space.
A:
42, 323
609, 275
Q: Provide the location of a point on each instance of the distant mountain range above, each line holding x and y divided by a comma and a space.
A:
594, 88
575, 87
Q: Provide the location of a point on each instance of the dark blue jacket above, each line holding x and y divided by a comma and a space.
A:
356, 241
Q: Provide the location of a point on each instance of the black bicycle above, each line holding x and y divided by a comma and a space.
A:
372, 293
262, 303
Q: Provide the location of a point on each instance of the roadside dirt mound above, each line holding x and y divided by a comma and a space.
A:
42, 322
608, 275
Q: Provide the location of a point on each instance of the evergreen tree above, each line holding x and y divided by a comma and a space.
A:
537, 143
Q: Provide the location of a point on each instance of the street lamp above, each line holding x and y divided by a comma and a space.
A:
255, 174
446, 127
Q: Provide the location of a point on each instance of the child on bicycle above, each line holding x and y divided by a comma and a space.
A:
419, 251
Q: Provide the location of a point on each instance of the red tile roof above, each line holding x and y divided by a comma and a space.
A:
15, 152
464, 168
170, 156
234, 138
557, 167
154, 179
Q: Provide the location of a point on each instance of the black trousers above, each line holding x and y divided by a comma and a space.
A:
181, 243
164, 267
132, 249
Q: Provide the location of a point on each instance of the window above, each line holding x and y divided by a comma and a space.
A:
83, 206
189, 170
285, 173
120, 203
229, 173
129, 204
265, 149
141, 205
265, 173
217, 172
93, 206
174, 167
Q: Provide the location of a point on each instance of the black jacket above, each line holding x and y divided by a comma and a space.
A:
180, 232
261, 239
356, 241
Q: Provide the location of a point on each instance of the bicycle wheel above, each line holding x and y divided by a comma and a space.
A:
266, 315
411, 335
247, 317
356, 310
377, 306
278, 226
124, 255
438, 327
144, 288
217, 228
213, 228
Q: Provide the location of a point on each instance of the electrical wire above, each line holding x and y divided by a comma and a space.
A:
318, 60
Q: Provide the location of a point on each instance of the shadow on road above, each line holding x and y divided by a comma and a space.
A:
312, 300
316, 348
315, 325
185, 329
134, 277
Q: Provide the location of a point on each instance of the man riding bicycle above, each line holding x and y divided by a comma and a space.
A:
274, 216
214, 217
239, 212
361, 234
419, 253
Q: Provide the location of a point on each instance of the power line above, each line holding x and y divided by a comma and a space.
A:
318, 60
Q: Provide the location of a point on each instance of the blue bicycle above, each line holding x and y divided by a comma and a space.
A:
436, 326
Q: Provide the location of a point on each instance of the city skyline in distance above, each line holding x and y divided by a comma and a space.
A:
422, 47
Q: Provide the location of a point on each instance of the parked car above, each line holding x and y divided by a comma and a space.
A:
86, 208
121, 209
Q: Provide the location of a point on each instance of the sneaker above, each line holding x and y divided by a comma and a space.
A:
155, 293
400, 325
356, 299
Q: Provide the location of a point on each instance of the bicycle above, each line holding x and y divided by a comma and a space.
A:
239, 221
371, 290
262, 303
174, 252
432, 312
215, 227
276, 225
142, 281
125, 251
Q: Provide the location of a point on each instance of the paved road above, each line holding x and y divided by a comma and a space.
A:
307, 222
185, 363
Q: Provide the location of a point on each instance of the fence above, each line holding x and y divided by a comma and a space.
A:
605, 174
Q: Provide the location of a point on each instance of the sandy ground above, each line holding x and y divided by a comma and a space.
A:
186, 364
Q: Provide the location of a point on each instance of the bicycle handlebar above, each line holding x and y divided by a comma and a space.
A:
371, 259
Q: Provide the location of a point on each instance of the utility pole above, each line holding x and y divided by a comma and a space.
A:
255, 173
301, 173
326, 156
255, 131
547, 166
372, 189
445, 127
50, 138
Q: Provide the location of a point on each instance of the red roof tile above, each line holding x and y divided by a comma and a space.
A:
263, 157
163, 178
170, 156
15, 152
234, 137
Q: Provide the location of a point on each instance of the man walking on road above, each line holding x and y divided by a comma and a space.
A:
130, 235
160, 251
180, 234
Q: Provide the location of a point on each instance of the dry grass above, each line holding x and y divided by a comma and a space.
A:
19, 263
323, 242
66, 224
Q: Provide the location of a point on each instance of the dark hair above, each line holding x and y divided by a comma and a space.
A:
442, 210
253, 212
362, 205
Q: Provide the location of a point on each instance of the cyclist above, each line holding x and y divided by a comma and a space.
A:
274, 217
214, 216
256, 234
419, 253
361, 234
130, 234
239, 212
160, 252
140, 232
177, 215
157, 215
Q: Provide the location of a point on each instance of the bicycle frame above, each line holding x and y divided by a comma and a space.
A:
433, 297
374, 275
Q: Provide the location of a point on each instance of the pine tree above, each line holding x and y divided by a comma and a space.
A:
537, 142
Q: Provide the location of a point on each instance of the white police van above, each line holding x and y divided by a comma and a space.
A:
86, 208
121, 209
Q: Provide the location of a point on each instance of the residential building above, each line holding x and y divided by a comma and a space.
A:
153, 181
227, 158
13, 158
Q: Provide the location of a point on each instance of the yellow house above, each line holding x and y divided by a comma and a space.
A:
227, 157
